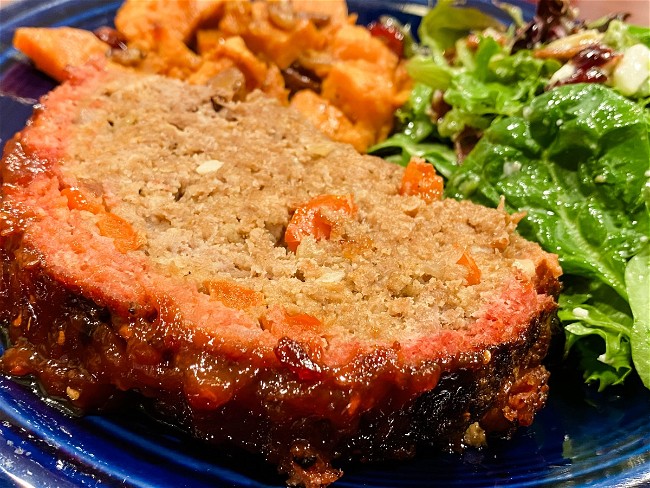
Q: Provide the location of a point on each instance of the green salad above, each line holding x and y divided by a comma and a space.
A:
553, 116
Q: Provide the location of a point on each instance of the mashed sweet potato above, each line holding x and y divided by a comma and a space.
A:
347, 82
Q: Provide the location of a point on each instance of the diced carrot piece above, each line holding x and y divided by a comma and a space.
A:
303, 321
125, 237
53, 50
420, 179
300, 326
78, 201
233, 295
309, 219
473, 272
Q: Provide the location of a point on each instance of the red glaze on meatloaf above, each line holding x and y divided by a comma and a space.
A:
144, 246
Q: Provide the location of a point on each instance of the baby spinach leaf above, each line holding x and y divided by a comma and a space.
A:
570, 165
577, 161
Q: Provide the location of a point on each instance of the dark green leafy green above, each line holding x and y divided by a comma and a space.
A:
499, 85
642, 34
570, 164
416, 127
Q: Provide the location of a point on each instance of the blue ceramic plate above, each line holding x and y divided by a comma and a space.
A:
581, 438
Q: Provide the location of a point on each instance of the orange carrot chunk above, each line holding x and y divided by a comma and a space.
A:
420, 179
302, 321
78, 201
279, 322
125, 237
311, 219
233, 295
473, 272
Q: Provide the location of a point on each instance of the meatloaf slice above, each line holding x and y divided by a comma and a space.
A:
144, 247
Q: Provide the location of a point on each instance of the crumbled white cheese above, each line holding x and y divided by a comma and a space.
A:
632, 73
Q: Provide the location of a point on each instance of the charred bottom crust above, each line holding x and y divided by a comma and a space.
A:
73, 348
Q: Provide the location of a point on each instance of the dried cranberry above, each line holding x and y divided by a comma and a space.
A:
591, 75
593, 56
586, 64
554, 19
390, 34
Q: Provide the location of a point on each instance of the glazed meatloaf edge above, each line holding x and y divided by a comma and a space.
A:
144, 246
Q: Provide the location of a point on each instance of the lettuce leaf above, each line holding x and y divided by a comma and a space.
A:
637, 280
621, 35
482, 85
447, 22
570, 165
498, 85
599, 331
577, 161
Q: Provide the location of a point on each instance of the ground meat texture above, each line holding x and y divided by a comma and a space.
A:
143, 248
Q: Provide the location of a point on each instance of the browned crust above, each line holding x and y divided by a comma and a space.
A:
75, 350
